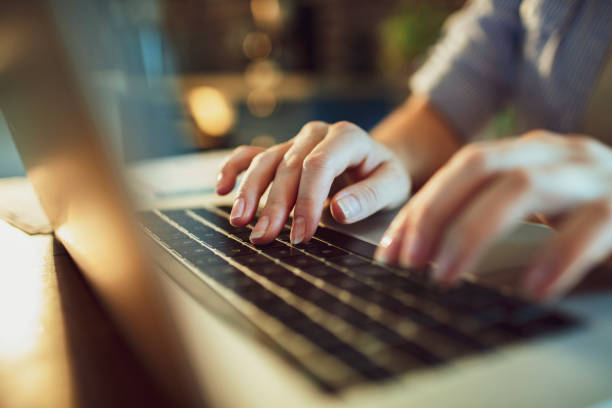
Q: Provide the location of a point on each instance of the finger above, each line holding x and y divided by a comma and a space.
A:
391, 241
284, 187
584, 239
388, 185
471, 169
344, 146
254, 183
491, 214
238, 161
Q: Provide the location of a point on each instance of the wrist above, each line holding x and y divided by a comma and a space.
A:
419, 136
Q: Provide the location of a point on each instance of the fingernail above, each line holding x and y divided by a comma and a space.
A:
260, 227
237, 209
349, 206
386, 241
219, 178
298, 230
381, 254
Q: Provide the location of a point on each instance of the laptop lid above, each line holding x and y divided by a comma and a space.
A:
68, 161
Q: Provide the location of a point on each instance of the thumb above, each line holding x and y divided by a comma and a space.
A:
388, 186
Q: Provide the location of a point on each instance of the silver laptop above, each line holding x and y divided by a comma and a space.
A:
220, 322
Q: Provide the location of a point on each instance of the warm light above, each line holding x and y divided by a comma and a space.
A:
263, 74
261, 102
21, 302
212, 112
266, 12
256, 45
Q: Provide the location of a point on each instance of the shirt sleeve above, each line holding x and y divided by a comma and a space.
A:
469, 73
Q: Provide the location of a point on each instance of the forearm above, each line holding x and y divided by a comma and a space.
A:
420, 136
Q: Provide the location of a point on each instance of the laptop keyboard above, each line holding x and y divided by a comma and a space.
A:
344, 318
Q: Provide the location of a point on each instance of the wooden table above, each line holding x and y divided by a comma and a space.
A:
57, 345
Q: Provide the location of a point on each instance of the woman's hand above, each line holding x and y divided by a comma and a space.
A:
487, 188
301, 172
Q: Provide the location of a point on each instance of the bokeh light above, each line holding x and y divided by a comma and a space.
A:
211, 110
263, 74
257, 45
266, 12
261, 102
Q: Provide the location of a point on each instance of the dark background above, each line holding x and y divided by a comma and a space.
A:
277, 63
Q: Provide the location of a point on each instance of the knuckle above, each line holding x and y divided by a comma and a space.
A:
231, 160
317, 161
473, 156
241, 150
291, 162
278, 148
343, 126
537, 134
306, 204
314, 126
242, 191
275, 207
266, 156
260, 159
248, 188
583, 148
579, 143
369, 195
307, 200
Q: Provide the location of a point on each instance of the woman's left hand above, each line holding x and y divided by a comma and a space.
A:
488, 187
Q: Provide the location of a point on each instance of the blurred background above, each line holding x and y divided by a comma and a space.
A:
251, 71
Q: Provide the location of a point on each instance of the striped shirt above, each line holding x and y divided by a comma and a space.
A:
542, 57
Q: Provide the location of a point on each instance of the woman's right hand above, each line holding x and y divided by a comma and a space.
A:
301, 172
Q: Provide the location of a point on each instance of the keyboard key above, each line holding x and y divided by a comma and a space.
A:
326, 252
222, 273
286, 281
280, 252
273, 244
252, 259
347, 242
347, 283
243, 235
314, 295
269, 269
260, 296
283, 311
337, 348
423, 324
301, 261
373, 271
284, 236
312, 244
348, 260
206, 260
236, 251
323, 271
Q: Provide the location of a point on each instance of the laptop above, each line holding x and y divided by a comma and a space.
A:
221, 322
